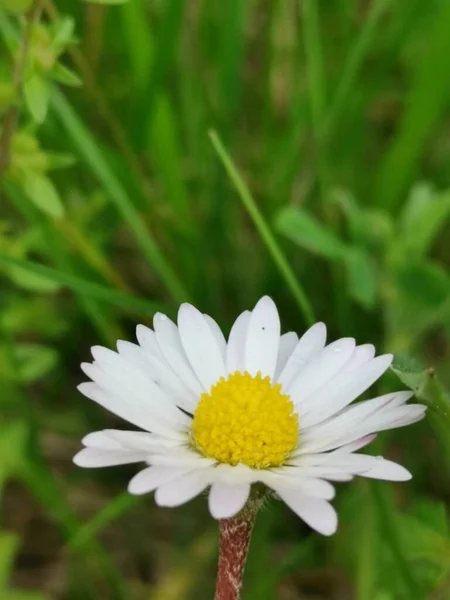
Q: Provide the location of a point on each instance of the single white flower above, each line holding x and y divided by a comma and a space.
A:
260, 407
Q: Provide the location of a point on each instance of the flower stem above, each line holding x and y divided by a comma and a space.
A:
234, 543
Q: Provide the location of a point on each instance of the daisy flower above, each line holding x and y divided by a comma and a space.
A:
261, 407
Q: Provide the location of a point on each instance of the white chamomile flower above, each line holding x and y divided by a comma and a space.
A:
260, 407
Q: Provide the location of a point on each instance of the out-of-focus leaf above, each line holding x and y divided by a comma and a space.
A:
65, 75
307, 232
43, 194
34, 361
32, 281
433, 514
423, 542
36, 92
361, 276
423, 283
63, 32
424, 214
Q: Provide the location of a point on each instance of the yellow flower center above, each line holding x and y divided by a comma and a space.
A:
247, 420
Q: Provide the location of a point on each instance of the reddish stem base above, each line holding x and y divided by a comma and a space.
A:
234, 543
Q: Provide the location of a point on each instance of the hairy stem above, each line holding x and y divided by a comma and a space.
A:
235, 534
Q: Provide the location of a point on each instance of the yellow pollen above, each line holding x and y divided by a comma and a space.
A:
247, 420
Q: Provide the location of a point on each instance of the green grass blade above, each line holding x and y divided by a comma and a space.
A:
424, 104
88, 288
263, 230
352, 66
92, 155
112, 511
314, 61
138, 40
164, 50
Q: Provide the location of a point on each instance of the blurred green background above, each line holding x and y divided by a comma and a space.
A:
326, 185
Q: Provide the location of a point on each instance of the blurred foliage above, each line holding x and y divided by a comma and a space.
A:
324, 181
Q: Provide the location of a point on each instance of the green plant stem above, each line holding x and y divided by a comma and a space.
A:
263, 230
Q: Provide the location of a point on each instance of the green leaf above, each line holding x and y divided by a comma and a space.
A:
424, 215
63, 34
308, 233
34, 361
36, 92
65, 75
43, 194
424, 284
425, 386
361, 276
32, 281
88, 288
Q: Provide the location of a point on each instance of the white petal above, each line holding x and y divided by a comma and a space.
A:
115, 439
361, 355
288, 342
200, 346
343, 389
236, 475
321, 472
357, 444
263, 339
310, 486
95, 457
150, 478
132, 410
311, 343
169, 343
101, 440
235, 357
225, 500
141, 440
323, 440
327, 434
147, 340
155, 367
185, 460
116, 376
388, 470
218, 335
184, 489
319, 371
318, 514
